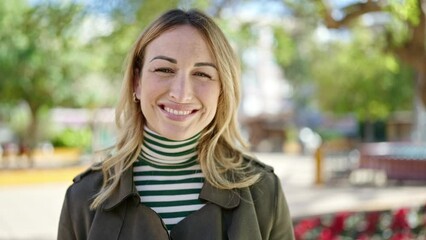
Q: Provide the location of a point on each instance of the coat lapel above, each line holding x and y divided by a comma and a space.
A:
242, 222
224, 198
126, 189
109, 219
107, 224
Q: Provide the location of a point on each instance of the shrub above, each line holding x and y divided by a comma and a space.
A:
79, 138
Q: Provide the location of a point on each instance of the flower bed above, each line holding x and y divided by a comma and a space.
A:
400, 224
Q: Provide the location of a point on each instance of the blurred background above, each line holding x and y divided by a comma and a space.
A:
334, 97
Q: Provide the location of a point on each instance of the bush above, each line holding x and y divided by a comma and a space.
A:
73, 138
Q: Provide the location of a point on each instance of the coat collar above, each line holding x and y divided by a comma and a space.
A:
225, 198
126, 188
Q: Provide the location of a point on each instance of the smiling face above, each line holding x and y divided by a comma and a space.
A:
179, 85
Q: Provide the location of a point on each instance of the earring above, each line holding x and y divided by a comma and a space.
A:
135, 99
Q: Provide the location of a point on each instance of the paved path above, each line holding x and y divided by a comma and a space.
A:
304, 198
31, 211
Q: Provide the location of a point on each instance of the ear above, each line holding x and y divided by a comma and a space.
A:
136, 82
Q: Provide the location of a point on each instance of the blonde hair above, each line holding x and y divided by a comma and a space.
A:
221, 147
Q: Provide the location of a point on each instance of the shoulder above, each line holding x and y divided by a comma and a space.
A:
91, 173
268, 182
76, 214
85, 185
257, 166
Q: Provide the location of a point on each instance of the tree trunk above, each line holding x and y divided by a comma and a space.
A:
419, 123
30, 140
368, 131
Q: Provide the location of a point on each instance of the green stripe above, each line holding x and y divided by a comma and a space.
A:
169, 140
175, 154
170, 146
175, 214
173, 204
165, 182
165, 173
168, 192
170, 226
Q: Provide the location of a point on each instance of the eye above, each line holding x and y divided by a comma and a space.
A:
163, 70
203, 75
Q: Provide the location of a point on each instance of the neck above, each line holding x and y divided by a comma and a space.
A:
160, 150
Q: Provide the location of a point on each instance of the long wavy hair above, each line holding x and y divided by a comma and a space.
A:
221, 147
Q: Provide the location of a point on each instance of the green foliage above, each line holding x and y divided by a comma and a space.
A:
18, 118
79, 138
284, 47
291, 52
355, 77
348, 67
42, 59
403, 15
305, 10
406, 10
39, 54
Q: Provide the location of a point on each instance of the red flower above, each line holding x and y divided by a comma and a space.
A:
338, 224
373, 219
304, 226
399, 221
402, 236
326, 234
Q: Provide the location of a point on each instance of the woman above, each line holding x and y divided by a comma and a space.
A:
179, 169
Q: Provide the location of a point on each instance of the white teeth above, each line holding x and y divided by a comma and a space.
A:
176, 112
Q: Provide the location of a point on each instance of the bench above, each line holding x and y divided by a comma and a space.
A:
399, 160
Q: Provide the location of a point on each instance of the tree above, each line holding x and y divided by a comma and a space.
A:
40, 57
405, 34
378, 32
364, 80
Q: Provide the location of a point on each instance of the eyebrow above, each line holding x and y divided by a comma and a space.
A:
164, 58
202, 64
172, 60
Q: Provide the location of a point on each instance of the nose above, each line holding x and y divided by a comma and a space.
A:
181, 88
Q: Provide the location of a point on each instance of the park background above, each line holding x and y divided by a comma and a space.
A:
329, 90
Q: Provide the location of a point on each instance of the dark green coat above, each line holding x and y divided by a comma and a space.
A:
256, 212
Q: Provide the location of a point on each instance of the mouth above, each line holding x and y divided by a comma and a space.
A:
178, 112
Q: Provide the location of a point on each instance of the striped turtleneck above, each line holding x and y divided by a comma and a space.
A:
168, 177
